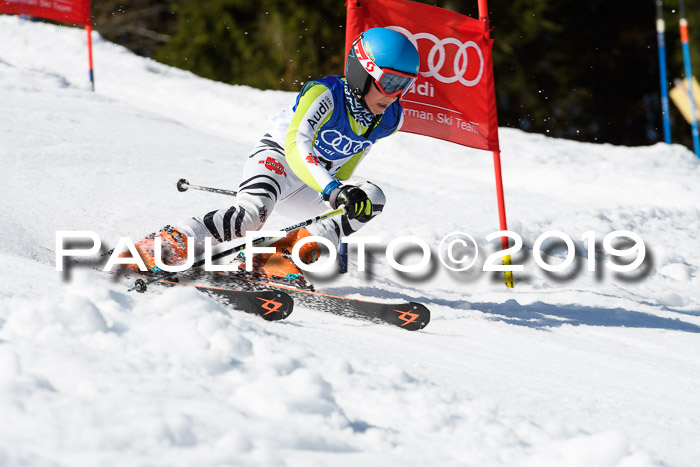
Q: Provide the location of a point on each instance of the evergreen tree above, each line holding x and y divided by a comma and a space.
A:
140, 25
564, 68
266, 44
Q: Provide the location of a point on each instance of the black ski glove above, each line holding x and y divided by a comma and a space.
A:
357, 204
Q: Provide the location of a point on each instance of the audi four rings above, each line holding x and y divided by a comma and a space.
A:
342, 144
459, 64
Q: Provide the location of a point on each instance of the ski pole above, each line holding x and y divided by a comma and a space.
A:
183, 185
141, 286
343, 258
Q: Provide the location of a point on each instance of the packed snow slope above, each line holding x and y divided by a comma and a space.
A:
575, 368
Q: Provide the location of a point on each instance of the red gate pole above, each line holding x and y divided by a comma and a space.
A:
507, 275
88, 29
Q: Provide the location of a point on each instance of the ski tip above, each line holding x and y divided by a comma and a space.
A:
272, 305
411, 316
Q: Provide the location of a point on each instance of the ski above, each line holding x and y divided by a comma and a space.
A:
411, 316
271, 305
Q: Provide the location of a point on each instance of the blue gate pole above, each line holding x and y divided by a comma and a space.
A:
689, 77
660, 31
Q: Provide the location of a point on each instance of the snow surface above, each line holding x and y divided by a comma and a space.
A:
571, 369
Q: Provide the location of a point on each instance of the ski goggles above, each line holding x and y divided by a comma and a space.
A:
390, 82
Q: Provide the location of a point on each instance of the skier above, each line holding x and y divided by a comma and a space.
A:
306, 159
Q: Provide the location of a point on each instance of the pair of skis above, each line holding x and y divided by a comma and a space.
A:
275, 301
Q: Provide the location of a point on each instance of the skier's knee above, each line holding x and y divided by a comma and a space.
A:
256, 210
247, 215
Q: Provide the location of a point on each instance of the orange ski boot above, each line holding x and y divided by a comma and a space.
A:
308, 253
279, 265
173, 248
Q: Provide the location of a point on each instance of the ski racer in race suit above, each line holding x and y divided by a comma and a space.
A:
307, 157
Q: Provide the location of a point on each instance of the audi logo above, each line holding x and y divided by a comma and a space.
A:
343, 144
437, 56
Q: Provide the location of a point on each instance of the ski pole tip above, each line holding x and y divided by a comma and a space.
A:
182, 185
139, 286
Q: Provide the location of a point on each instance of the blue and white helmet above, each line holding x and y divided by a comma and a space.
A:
385, 56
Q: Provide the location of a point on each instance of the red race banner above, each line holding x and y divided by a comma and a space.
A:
454, 98
68, 11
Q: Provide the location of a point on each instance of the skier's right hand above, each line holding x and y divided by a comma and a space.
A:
357, 204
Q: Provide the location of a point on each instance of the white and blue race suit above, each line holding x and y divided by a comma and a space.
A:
308, 146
